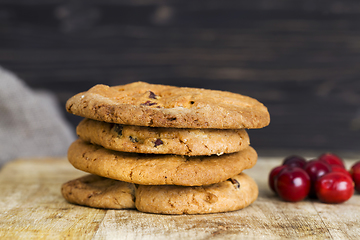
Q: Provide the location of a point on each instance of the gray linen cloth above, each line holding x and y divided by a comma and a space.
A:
31, 123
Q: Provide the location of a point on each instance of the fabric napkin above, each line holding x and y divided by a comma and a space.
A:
31, 123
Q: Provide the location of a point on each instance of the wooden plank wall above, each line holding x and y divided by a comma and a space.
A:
300, 58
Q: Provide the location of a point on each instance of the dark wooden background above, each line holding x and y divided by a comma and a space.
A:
300, 58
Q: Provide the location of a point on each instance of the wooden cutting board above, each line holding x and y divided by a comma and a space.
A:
31, 207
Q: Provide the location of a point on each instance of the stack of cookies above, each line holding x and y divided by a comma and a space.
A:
163, 149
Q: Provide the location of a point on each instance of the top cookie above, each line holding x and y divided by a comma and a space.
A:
153, 105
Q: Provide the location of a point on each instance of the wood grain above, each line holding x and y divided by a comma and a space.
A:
31, 207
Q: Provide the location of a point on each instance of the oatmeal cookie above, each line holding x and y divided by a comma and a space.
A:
190, 142
153, 105
157, 169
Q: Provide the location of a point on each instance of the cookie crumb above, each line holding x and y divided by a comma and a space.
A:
152, 95
235, 183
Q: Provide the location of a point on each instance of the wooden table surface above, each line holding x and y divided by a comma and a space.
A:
31, 207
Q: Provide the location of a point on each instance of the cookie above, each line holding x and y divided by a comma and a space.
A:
157, 169
152, 105
99, 192
233, 194
190, 142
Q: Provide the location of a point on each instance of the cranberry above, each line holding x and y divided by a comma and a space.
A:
148, 103
355, 174
316, 169
152, 95
273, 174
294, 161
337, 168
334, 187
331, 159
292, 184
158, 142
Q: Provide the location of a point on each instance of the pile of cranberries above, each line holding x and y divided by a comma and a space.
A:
325, 178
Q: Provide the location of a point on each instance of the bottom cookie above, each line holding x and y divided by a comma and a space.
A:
236, 193
93, 191
99, 192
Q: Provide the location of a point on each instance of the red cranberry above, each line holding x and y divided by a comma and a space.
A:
273, 174
355, 174
294, 161
334, 187
337, 168
292, 184
316, 169
331, 159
